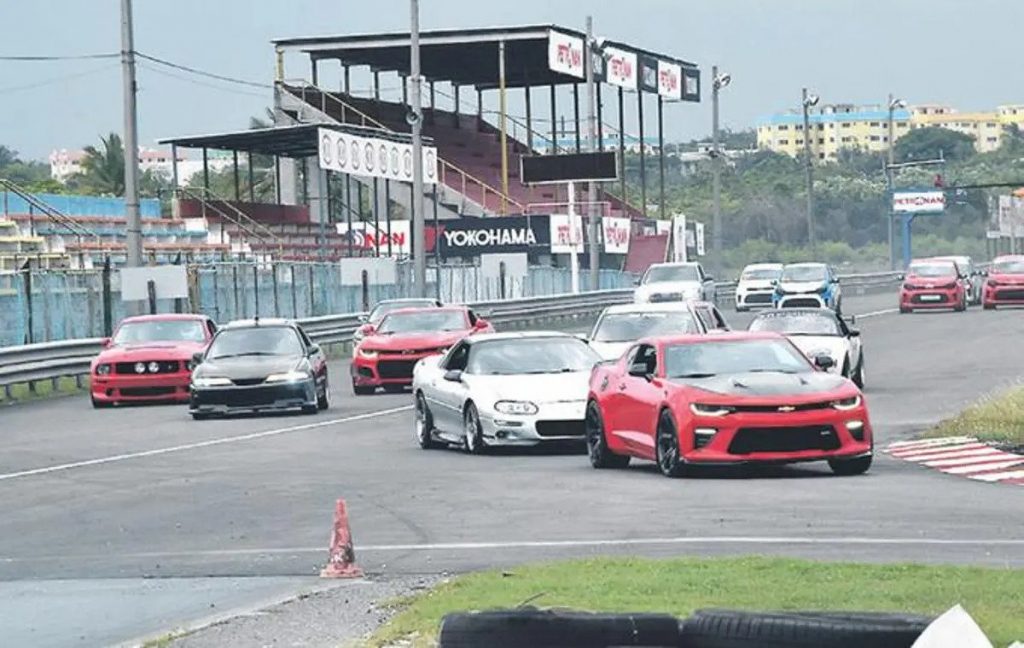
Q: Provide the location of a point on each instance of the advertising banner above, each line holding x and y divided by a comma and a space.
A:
649, 74
918, 202
565, 54
698, 235
621, 68
679, 238
616, 234
470, 237
565, 238
373, 157
670, 80
364, 236
691, 84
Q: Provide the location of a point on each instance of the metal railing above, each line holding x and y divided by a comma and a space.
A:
52, 213
71, 358
229, 212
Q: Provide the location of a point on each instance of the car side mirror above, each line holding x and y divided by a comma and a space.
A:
105, 343
835, 280
638, 370
824, 362
481, 324
197, 359
708, 278
314, 349
775, 282
367, 329
854, 332
901, 277
453, 375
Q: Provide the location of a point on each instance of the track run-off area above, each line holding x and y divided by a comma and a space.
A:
138, 492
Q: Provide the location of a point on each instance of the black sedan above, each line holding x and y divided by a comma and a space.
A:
256, 366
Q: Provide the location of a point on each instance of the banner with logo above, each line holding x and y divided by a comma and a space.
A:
670, 80
565, 54
470, 237
566, 237
691, 84
648, 74
918, 202
679, 238
364, 236
373, 157
621, 68
698, 235
616, 234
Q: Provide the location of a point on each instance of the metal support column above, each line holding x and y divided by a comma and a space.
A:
418, 227
238, 183
252, 181
529, 120
643, 152
661, 157
376, 216
131, 139
576, 113
313, 70
554, 121
174, 167
206, 170
277, 179
622, 144
387, 211
592, 209
600, 117
458, 105
504, 125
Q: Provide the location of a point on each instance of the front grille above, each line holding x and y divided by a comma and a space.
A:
389, 369
665, 297
1013, 293
560, 428
408, 352
767, 409
758, 298
247, 382
920, 299
783, 439
253, 397
802, 302
142, 392
165, 367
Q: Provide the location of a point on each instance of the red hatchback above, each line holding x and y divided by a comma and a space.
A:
387, 354
149, 358
933, 284
1005, 283
733, 398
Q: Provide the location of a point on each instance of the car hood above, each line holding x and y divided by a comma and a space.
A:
671, 286
610, 350
247, 367
762, 385
801, 286
835, 345
536, 388
420, 340
1007, 278
152, 351
754, 284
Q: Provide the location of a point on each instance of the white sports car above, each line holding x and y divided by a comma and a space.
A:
620, 326
511, 389
818, 332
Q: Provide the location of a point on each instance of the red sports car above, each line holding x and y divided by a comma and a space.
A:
732, 398
387, 354
933, 283
149, 358
1005, 283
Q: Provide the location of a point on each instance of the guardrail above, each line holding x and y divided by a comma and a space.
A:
71, 358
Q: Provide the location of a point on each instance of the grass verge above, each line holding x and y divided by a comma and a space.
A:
994, 597
998, 418
43, 389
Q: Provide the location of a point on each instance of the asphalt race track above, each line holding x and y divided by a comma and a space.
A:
146, 492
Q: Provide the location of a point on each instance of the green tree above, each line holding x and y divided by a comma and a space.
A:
931, 143
103, 168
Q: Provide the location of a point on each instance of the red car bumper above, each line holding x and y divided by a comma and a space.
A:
776, 437
115, 388
385, 368
931, 298
1003, 294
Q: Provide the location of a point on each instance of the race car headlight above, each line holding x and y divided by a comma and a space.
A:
288, 376
369, 354
515, 407
710, 410
153, 367
846, 404
210, 382
103, 370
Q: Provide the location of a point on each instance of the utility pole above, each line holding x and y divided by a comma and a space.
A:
131, 137
419, 238
718, 81
893, 104
595, 228
808, 102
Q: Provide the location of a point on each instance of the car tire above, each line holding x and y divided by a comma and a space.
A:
859, 376
362, 390
310, 409
199, 416
962, 305
424, 424
850, 467
100, 404
666, 447
736, 629
904, 310
473, 434
601, 456
323, 401
988, 306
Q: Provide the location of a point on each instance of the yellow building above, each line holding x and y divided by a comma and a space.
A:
866, 127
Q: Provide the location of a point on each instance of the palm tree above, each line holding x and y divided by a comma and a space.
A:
103, 170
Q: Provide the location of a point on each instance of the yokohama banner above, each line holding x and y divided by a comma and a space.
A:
470, 237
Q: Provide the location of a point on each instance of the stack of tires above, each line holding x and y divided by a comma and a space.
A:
533, 628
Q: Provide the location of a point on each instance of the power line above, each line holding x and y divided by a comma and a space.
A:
54, 80
204, 73
185, 79
70, 57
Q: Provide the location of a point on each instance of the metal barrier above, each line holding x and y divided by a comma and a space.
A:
55, 360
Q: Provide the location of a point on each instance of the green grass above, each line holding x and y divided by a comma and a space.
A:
998, 418
994, 597
43, 389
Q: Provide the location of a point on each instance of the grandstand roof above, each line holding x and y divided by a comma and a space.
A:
462, 56
285, 141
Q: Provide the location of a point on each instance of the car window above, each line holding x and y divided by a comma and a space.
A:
472, 317
458, 358
671, 273
636, 325
720, 322
790, 322
422, 321
705, 316
256, 341
305, 338
538, 355
148, 331
211, 327
646, 355
712, 358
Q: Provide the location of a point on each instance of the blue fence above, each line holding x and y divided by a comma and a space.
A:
42, 306
79, 205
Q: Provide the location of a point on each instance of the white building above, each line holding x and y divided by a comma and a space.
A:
65, 163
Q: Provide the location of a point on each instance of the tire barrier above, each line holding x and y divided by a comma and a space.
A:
534, 628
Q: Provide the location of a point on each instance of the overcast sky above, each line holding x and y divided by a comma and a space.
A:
959, 52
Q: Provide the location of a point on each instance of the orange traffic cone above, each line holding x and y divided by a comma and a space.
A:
342, 560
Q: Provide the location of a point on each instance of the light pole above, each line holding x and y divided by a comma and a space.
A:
718, 82
595, 228
131, 147
894, 105
809, 101
415, 117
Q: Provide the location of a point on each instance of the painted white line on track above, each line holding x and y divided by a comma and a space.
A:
973, 452
202, 444
546, 544
878, 313
969, 460
981, 468
922, 443
999, 476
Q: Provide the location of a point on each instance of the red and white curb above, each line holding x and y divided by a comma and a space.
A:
963, 456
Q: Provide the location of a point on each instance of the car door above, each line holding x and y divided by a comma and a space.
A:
639, 403
445, 397
317, 358
854, 343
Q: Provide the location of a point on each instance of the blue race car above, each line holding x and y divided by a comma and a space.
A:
808, 285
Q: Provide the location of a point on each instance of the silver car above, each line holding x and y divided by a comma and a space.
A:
620, 326
508, 389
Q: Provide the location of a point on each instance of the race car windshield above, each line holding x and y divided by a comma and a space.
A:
672, 273
760, 274
380, 310
627, 327
423, 322
706, 359
160, 331
796, 323
531, 356
1008, 266
256, 341
803, 273
932, 269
